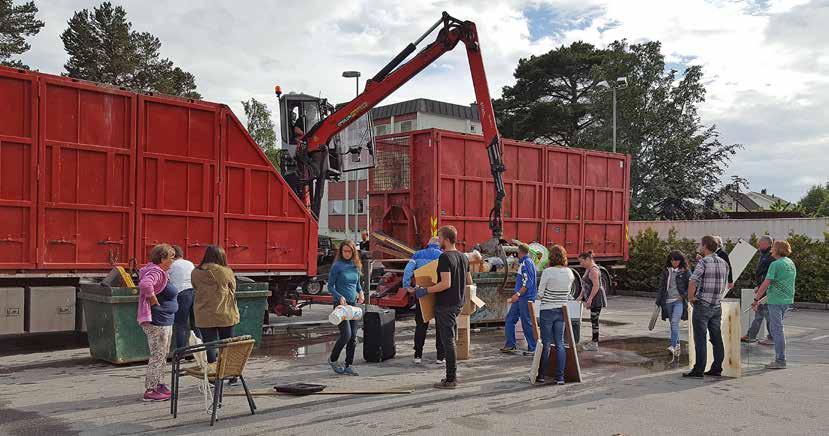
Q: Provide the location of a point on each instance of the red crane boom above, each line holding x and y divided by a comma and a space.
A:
313, 155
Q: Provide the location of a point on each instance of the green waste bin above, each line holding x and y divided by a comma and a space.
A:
494, 296
113, 330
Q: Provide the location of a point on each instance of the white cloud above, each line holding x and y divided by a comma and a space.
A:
765, 62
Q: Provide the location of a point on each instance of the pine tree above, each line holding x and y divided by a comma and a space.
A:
16, 23
102, 47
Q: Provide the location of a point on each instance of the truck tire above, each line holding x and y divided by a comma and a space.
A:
313, 287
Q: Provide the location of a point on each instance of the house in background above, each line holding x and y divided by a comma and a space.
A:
400, 117
731, 201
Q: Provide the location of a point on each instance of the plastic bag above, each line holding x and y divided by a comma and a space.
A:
342, 313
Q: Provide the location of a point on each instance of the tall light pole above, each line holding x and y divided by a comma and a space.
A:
356, 76
621, 83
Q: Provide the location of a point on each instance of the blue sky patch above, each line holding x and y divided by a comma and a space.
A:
545, 20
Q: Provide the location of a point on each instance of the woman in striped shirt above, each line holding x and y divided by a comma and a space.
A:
554, 292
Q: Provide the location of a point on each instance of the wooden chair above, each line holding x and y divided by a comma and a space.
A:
233, 354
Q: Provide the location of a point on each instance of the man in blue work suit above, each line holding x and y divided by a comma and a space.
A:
525, 291
419, 259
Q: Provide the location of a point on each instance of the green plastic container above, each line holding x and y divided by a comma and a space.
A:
115, 336
494, 296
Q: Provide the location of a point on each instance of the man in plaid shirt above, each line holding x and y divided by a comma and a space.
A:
705, 291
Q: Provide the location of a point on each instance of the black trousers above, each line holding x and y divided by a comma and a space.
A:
210, 334
707, 319
420, 336
446, 319
348, 339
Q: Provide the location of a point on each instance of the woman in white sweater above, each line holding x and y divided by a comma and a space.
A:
554, 292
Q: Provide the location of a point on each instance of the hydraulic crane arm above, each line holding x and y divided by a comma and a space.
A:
392, 77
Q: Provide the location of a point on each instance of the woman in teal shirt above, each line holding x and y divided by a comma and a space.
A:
344, 284
779, 285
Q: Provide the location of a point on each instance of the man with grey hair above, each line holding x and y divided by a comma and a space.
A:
724, 256
419, 259
764, 246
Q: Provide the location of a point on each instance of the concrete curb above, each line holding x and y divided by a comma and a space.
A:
797, 304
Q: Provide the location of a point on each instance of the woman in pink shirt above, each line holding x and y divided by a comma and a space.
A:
157, 306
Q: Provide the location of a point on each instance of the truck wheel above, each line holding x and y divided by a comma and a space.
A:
313, 287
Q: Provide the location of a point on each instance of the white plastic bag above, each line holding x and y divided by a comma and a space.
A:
341, 313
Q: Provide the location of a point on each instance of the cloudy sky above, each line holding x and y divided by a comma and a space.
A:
766, 62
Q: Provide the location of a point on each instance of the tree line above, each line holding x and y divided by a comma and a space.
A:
562, 97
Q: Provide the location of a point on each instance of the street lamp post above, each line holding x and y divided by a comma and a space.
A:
621, 83
356, 76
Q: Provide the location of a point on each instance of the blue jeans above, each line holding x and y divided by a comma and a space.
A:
552, 330
675, 309
347, 340
210, 334
754, 329
520, 310
184, 315
776, 313
707, 320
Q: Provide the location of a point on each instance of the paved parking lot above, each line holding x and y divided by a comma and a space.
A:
631, 387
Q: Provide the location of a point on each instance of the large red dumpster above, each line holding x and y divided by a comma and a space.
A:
93, 176
555, 195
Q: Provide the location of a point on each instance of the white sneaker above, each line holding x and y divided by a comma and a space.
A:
417, 360
677, 350
591, 346
672, 350
440, 362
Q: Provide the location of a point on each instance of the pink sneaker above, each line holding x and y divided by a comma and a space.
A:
162, 389
154, 395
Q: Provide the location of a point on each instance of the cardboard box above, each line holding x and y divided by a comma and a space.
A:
471, 302
50, 309
463, 340
11, 310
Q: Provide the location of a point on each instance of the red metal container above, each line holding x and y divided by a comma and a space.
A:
93, 176
555, 195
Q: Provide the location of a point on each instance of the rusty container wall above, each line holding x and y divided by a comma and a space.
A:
573, 197
265, 226
18, 169
87, 146
92, 175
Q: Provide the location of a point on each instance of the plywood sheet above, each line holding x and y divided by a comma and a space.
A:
572, 369
740, 256
730, 327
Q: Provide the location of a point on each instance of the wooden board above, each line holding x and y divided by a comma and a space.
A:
392, 391
391, 242
391, 252
655, 316
539, 346
572, 369
463, 341
730, 326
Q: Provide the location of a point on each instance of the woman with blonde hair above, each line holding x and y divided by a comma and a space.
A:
554, 292
779, 285
344, 284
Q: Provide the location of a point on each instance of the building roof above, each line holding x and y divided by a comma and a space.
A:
424, 105
743, 201
770, 198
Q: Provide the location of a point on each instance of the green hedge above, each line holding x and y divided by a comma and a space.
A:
648, 253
